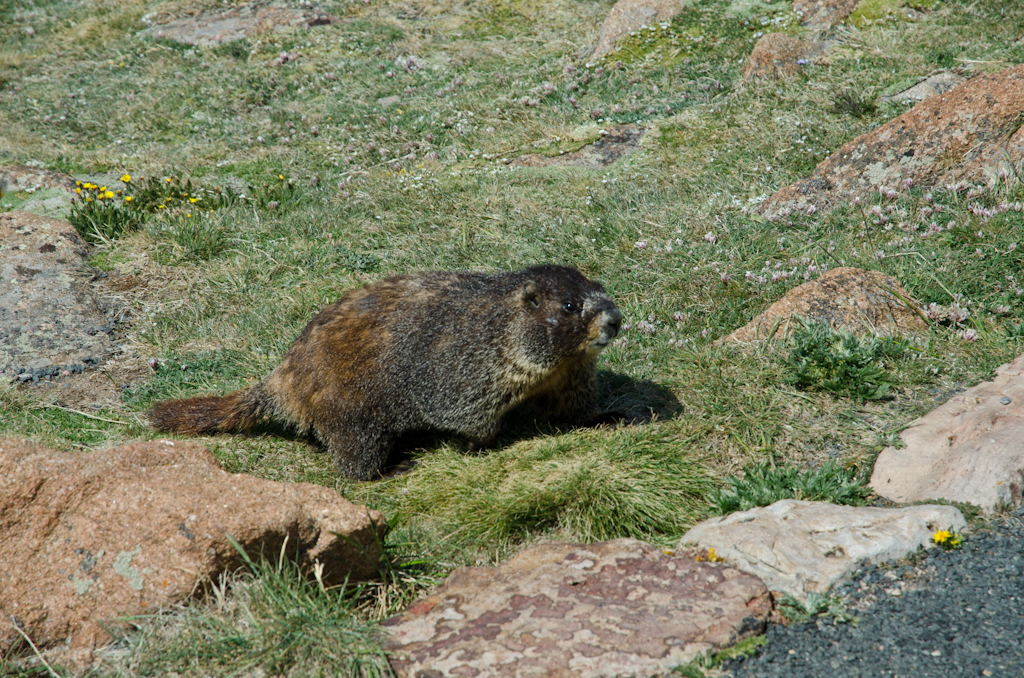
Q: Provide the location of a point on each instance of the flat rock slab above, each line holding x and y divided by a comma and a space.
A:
627, 16
778, 55
91, 536
803, 547
34, 189
843, 298
969, 134
616, 608
234, 23
971, 449
51, 319
933, 85
618, 142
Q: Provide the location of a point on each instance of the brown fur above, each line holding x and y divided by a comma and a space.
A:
444, 351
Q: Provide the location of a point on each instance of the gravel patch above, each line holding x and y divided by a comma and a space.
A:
946, 614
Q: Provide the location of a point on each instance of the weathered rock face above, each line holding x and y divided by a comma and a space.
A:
844, 298
618, 142
802, 547
618, 608
50, 318
228, 25
778, 55
37, 190
627, 16
969, 134
971, 449
824, 13
88, 537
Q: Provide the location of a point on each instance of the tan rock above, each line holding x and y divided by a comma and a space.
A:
50, 317
969, 134
627, 16
221, 26
824, 13
617, 608
843, 298
802, 547
91, 536
971, 449
777, 55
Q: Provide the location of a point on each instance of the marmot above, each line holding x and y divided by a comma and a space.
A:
441, 351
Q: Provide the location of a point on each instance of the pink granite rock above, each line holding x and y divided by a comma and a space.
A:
968, 134
91, 536
843, 298
778, 55
971, 449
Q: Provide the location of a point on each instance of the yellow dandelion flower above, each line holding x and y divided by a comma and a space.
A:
78, 190
281, 177
159, 207
89, 185
127, 198
126, 178
88, 199
109, 194
189, 215
102, 188
941, 537
193, 199
167, 179
78, 183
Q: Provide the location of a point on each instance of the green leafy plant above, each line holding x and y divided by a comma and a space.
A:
764, 484
816, 605
840, 362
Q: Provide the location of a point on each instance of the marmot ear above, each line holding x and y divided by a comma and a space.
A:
531, 296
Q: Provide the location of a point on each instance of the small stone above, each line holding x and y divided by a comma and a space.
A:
1005, 400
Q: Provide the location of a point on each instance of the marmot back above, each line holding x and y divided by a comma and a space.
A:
444, 351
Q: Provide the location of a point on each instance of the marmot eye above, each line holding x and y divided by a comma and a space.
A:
569, 307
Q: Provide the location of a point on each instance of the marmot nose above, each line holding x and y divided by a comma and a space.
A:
613, 321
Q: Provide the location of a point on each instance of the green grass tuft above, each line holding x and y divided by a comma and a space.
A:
634, 484
271, 618
764, 484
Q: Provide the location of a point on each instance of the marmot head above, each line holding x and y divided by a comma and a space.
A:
571, 315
